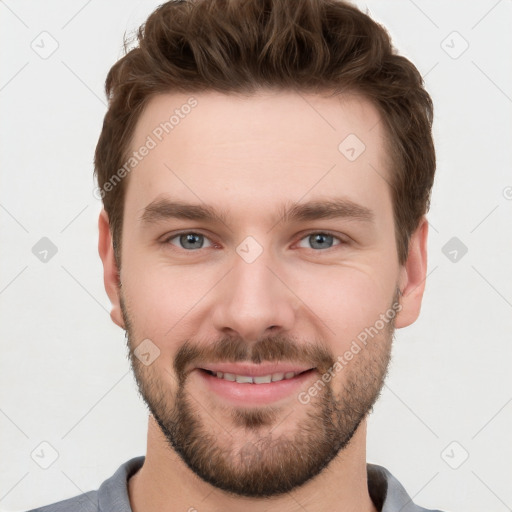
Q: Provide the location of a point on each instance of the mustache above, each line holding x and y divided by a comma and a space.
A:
269, 349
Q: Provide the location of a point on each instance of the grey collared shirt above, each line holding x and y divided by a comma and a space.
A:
385, 490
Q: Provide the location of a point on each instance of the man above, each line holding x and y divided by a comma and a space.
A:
265, 169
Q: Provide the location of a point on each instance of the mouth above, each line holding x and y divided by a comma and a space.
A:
256, 379
250, 385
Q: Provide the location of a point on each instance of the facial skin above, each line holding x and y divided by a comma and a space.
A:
303, 300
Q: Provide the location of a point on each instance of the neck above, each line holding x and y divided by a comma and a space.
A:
165, 479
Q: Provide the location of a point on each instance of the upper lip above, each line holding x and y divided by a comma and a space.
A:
254, 370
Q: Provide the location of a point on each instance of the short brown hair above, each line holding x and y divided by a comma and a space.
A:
240, 46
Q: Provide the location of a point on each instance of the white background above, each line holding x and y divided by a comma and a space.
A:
64, 373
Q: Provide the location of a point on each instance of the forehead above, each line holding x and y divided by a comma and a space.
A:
235, 150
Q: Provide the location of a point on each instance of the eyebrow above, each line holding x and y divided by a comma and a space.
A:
162, 209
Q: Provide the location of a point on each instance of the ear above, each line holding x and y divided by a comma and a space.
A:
110, 270
412, 276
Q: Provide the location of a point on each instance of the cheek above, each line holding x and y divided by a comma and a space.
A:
347, 300
163, 298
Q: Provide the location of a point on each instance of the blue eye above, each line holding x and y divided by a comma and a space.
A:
321, 240
190, 240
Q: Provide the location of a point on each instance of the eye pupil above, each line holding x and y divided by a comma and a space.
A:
319, 239
191, 238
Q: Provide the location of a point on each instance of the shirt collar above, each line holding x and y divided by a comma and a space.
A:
386, 492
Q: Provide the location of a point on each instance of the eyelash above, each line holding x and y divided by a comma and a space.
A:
167, 240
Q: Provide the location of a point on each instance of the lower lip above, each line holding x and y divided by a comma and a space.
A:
255, 394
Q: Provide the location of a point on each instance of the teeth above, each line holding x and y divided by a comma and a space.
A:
242, 379
262, 379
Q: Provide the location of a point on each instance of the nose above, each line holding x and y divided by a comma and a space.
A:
254, 300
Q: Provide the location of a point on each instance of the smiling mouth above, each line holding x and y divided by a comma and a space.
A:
260, 379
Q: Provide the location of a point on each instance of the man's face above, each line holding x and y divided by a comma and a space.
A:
260, 293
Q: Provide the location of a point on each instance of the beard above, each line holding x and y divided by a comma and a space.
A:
241, 450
